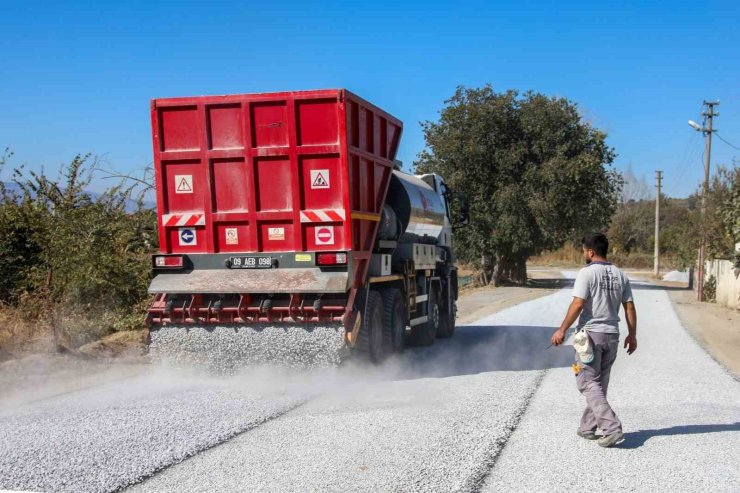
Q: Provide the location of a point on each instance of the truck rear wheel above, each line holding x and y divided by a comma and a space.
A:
446, 318
394, 320
370, 339
424, 334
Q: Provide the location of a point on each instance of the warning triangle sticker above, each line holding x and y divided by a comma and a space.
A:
184, 186
320, 181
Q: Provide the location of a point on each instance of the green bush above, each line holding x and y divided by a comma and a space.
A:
710, 289
85, 259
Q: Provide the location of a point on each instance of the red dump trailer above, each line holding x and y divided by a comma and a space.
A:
288, 209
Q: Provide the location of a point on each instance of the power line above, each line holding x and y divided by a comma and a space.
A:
725, 141
689, 159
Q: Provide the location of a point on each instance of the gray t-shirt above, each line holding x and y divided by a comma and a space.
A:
605, 288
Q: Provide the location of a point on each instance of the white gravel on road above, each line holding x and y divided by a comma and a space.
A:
679, 408
105, 438
226, 348
490, 408
422, 435
377, 434
677, 276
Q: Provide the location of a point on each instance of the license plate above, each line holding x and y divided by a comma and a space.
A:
250, 262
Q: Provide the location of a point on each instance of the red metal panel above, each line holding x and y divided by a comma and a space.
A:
276, 236
288, 171
318, 121
268, 126
225, 127
323, 184
179, 128
230, 187
232, 236
273, 182
372, 138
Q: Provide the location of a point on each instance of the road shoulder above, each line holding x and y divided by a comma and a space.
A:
474, 304
716, 328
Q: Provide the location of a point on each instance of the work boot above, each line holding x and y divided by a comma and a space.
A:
611, 439
588, 435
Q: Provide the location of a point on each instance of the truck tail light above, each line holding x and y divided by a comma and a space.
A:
335, 258
168, 262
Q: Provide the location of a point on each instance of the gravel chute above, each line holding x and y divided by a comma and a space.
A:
227, 348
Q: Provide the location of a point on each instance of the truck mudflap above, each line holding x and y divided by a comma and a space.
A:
227, 348
223, 281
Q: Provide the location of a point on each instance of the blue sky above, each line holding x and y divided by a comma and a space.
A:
78, 76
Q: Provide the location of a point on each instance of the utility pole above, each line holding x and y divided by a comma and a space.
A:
707, 130
658, 178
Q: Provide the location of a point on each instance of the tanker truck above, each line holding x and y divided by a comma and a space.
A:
289, 233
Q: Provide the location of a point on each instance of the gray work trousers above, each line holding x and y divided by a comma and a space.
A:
593, 382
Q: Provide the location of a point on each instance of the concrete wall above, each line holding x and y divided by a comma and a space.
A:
728, 282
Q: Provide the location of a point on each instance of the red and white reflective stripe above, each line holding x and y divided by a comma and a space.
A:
322, 216
184, 219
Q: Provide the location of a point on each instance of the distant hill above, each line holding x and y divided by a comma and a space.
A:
130, 204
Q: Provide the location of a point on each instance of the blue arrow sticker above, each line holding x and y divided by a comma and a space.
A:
187, 237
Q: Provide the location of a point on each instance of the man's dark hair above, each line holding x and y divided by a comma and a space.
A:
598, 243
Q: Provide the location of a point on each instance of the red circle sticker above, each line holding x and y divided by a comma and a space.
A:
324, 235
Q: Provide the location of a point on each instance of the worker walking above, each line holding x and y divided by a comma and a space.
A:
599, 289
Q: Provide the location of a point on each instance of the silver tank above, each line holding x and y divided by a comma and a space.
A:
417, 208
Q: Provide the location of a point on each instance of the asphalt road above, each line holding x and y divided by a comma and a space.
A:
489, 410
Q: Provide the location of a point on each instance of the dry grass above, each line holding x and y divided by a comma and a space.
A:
566, 256
125, 343
81, 326
27, 328
469, 271
570, 256
22, 332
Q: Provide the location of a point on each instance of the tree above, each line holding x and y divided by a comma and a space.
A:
634, 188
724, 208
633, 227
682, 222
535, 174
68, 251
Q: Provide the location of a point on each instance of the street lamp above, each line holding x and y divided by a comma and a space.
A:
696, 126
707, 130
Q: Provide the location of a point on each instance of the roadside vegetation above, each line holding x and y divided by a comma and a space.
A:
632, 227
536, 175
75, 267
533, 173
